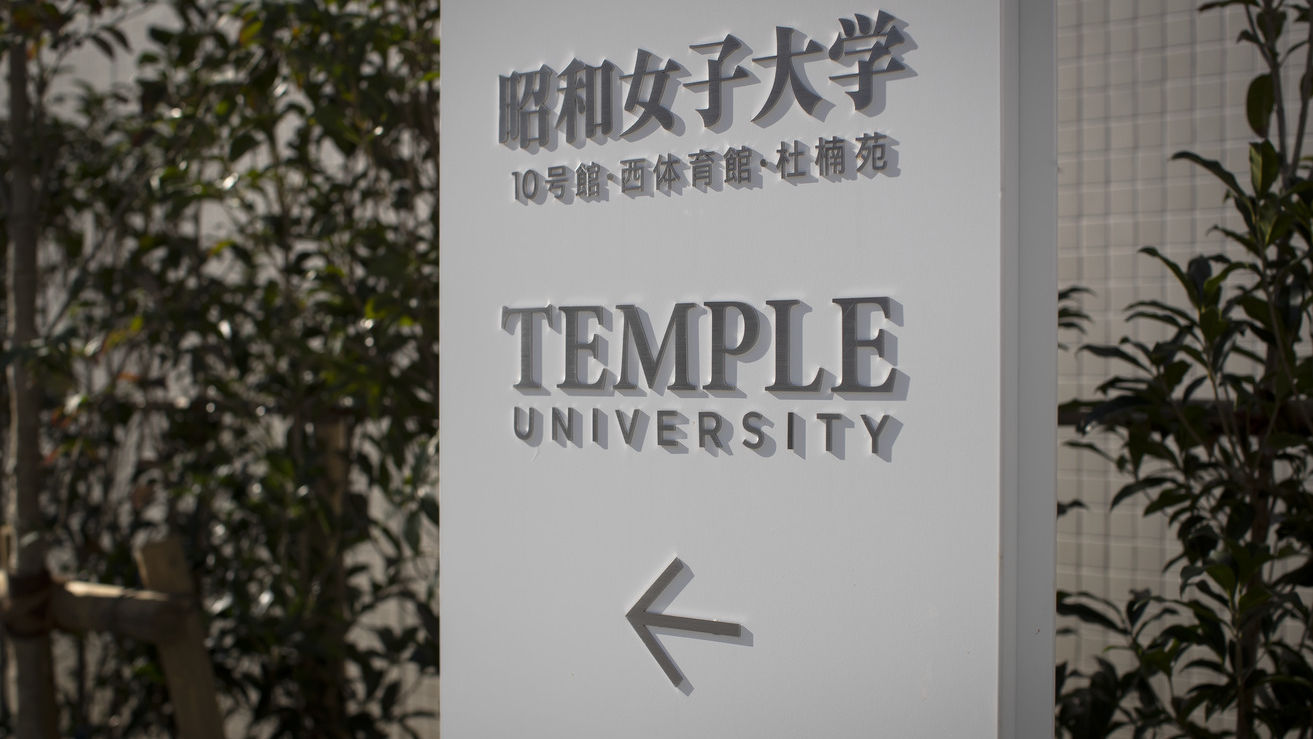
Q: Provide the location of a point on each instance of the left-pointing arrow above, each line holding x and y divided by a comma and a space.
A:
642, 618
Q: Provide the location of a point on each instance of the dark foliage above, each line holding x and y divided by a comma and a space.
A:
1214, 426
239, 345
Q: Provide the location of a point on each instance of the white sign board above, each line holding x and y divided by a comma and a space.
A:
747, 369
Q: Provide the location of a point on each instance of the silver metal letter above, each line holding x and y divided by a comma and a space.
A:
752, 423
784, 353
574, 347
829, 419
529, 363
720, 348
851, 383
712, 430
637, 335
563, 426
629, 432
528, 433
667, 426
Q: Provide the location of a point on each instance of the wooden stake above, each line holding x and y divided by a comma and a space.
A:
187, 668
140, 614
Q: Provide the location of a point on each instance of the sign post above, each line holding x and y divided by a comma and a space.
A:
748, 369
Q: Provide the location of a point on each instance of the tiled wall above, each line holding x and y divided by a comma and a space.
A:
1138, 80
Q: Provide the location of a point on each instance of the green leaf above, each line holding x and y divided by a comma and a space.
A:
412, 531
1167, 500
1214, 4
1253, 600
1136, 605
1301, 576
1087, 614
1259, 103
1071, 505
161, 35
1243, 239
1110, 410
1112, 352
1271, 23
1091, 448
1199, 270
1204, 663
1212, 324
1186, 281
1264, 166
1138, 486
1174, 373
1216, 168
241, 144
250, 31
1212, 287
119, 37
103, 45
1223, 575
429, 505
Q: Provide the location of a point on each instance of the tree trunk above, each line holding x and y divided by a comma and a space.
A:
324, 565
34, 691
